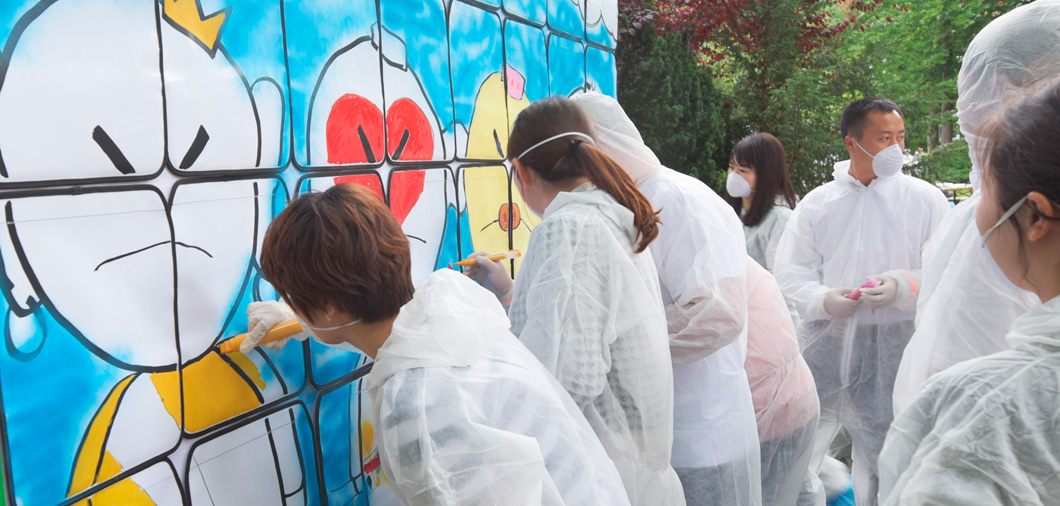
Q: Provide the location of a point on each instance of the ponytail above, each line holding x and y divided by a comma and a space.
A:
608, 176
547, 138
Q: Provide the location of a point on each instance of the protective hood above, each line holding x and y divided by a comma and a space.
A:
841, 172
618, 137
1040, 327
451, 321
587, 194
1012, 51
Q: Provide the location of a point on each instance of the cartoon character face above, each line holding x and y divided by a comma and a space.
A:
105, 262
346, 123
214, 119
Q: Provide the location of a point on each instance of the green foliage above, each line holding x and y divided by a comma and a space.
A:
672, 100
771, 76
915, 51
948, 164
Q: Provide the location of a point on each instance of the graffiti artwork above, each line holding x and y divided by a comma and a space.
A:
146, 145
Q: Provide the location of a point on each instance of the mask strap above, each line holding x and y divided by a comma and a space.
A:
554, 137
863, 149
336, 327
1004, 217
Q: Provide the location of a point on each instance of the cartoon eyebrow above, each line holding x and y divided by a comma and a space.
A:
424, 241
401, 145
367, 145
112, 151
497, 139
197, 145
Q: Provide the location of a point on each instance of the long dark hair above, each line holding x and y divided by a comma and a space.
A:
764, 154
1022, 153
571, 157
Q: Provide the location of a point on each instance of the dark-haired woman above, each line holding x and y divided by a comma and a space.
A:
761, 193
984, 431
586, 300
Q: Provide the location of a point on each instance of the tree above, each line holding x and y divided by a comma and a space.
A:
916, 49
672, 100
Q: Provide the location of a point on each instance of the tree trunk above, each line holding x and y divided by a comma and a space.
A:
946, 132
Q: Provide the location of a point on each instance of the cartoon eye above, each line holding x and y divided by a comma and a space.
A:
354, 131
112, 150
497, 141
197, 145
408, 132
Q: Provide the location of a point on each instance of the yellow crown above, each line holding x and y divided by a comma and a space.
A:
187, 15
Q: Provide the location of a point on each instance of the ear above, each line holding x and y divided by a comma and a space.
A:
22, 297
526, 175
1041, 226
848, 141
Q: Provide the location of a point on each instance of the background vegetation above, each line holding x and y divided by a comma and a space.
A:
698, 75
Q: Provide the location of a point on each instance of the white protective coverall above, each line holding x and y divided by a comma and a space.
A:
465, 415
589, 309
762, 239
785, 397
840, 234
984, 431
701, 260
961, 281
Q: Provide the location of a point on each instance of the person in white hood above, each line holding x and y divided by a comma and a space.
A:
701, 259
464, 413
586, 300
961, 281
869, 223
984, 431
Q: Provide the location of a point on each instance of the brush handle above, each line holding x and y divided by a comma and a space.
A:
498, 257
279, 331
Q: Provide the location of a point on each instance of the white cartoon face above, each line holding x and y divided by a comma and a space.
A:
420, 200
103, 116
214, 119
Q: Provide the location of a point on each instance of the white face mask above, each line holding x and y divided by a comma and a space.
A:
888, 161
737, 186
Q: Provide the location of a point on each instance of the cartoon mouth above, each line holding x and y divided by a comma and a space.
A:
141, 250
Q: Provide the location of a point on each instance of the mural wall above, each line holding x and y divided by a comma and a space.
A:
145, 145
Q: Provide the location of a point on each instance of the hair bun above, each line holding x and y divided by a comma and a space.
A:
574, 143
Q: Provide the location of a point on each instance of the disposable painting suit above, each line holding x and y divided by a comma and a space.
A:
961, 282
984, 431
700, 256
840, 234
785, 397
763, 238
465, 415
588, 307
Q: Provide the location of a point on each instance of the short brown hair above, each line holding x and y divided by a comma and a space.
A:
343, 248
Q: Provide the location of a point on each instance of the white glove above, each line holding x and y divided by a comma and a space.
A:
838, 305
883, 294
491, 275
262, 316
